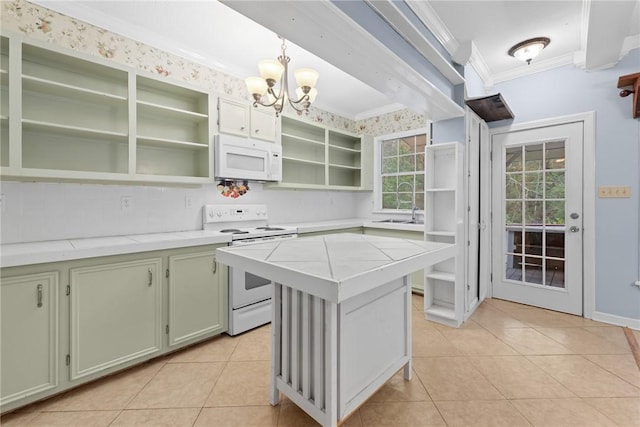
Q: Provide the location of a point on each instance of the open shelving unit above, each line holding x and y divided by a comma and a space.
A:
79, 117
172, 125
74, 114
4, 102
444, 223
314, 156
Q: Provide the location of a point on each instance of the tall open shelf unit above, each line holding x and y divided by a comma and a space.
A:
4, 102
317, 157
72, 116
444, 222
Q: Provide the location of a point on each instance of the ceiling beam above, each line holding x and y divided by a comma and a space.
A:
324, 30
607, 28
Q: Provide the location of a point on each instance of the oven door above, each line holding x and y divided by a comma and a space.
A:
246, 288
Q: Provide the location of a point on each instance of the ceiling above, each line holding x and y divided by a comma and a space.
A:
589, 34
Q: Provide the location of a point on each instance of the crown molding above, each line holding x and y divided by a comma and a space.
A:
630, 43
535, 67
427, 14
479, 64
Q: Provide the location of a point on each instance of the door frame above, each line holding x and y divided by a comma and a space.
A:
588, 120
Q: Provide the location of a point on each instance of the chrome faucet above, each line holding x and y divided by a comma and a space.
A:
414, 208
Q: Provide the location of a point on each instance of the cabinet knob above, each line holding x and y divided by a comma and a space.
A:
257, 130
241, 127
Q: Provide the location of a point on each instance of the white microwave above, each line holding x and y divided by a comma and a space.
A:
245, 158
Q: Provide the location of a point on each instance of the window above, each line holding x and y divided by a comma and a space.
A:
402, 171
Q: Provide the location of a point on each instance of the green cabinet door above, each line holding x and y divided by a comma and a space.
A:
29, 346
198, 303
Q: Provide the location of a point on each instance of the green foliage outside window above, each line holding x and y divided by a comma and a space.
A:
534, 184
402, 161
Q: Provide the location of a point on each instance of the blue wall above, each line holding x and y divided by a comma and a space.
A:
569, 90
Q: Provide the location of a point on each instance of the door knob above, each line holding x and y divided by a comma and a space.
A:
575, 216
574, 229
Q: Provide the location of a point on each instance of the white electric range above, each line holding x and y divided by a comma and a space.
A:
249, 295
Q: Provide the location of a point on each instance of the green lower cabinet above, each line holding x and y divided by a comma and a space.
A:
28, 355
116, 314
197, 297
69, 323
417, 278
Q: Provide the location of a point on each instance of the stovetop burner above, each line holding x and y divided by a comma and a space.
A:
234, 231
267, 228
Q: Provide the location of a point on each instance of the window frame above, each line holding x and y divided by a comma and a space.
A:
377, 167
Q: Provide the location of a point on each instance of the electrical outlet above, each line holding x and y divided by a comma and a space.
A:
188, 202
126, 203
610, 191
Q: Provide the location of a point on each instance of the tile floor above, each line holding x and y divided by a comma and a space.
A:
509, 365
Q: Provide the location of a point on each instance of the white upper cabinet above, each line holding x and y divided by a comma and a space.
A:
238, 117
72, 116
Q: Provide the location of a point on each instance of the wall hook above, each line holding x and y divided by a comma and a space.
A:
632, 80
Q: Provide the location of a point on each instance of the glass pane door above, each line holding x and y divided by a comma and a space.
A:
534, 213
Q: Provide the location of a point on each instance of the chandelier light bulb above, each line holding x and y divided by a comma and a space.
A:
256, 85
270, 69
306, 77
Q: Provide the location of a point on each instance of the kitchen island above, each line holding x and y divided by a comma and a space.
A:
341, 314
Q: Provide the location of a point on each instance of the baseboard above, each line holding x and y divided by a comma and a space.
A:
616, 320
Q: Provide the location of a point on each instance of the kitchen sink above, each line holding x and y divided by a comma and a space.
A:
400, 221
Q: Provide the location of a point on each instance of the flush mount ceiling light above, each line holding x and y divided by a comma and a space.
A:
529, 49
276, 71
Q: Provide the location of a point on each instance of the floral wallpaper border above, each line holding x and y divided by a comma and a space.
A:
42, 24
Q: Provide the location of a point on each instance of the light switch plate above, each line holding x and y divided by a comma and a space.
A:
611, 191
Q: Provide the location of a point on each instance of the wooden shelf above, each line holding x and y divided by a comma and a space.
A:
442, 275
303, 161
50, 87
161, 142
302, 139
631, 80
441, 311
169, 112
333, 165
55, 127
339, 148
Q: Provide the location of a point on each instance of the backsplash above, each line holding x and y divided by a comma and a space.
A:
53, 211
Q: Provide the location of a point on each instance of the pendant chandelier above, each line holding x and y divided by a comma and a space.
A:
276, 71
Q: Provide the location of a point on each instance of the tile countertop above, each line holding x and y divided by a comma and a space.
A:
335, 267
338, 224
64, 250
17, 254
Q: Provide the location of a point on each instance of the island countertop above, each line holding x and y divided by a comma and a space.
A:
335, 267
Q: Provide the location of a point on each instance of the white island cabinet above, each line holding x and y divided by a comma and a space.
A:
341, 323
